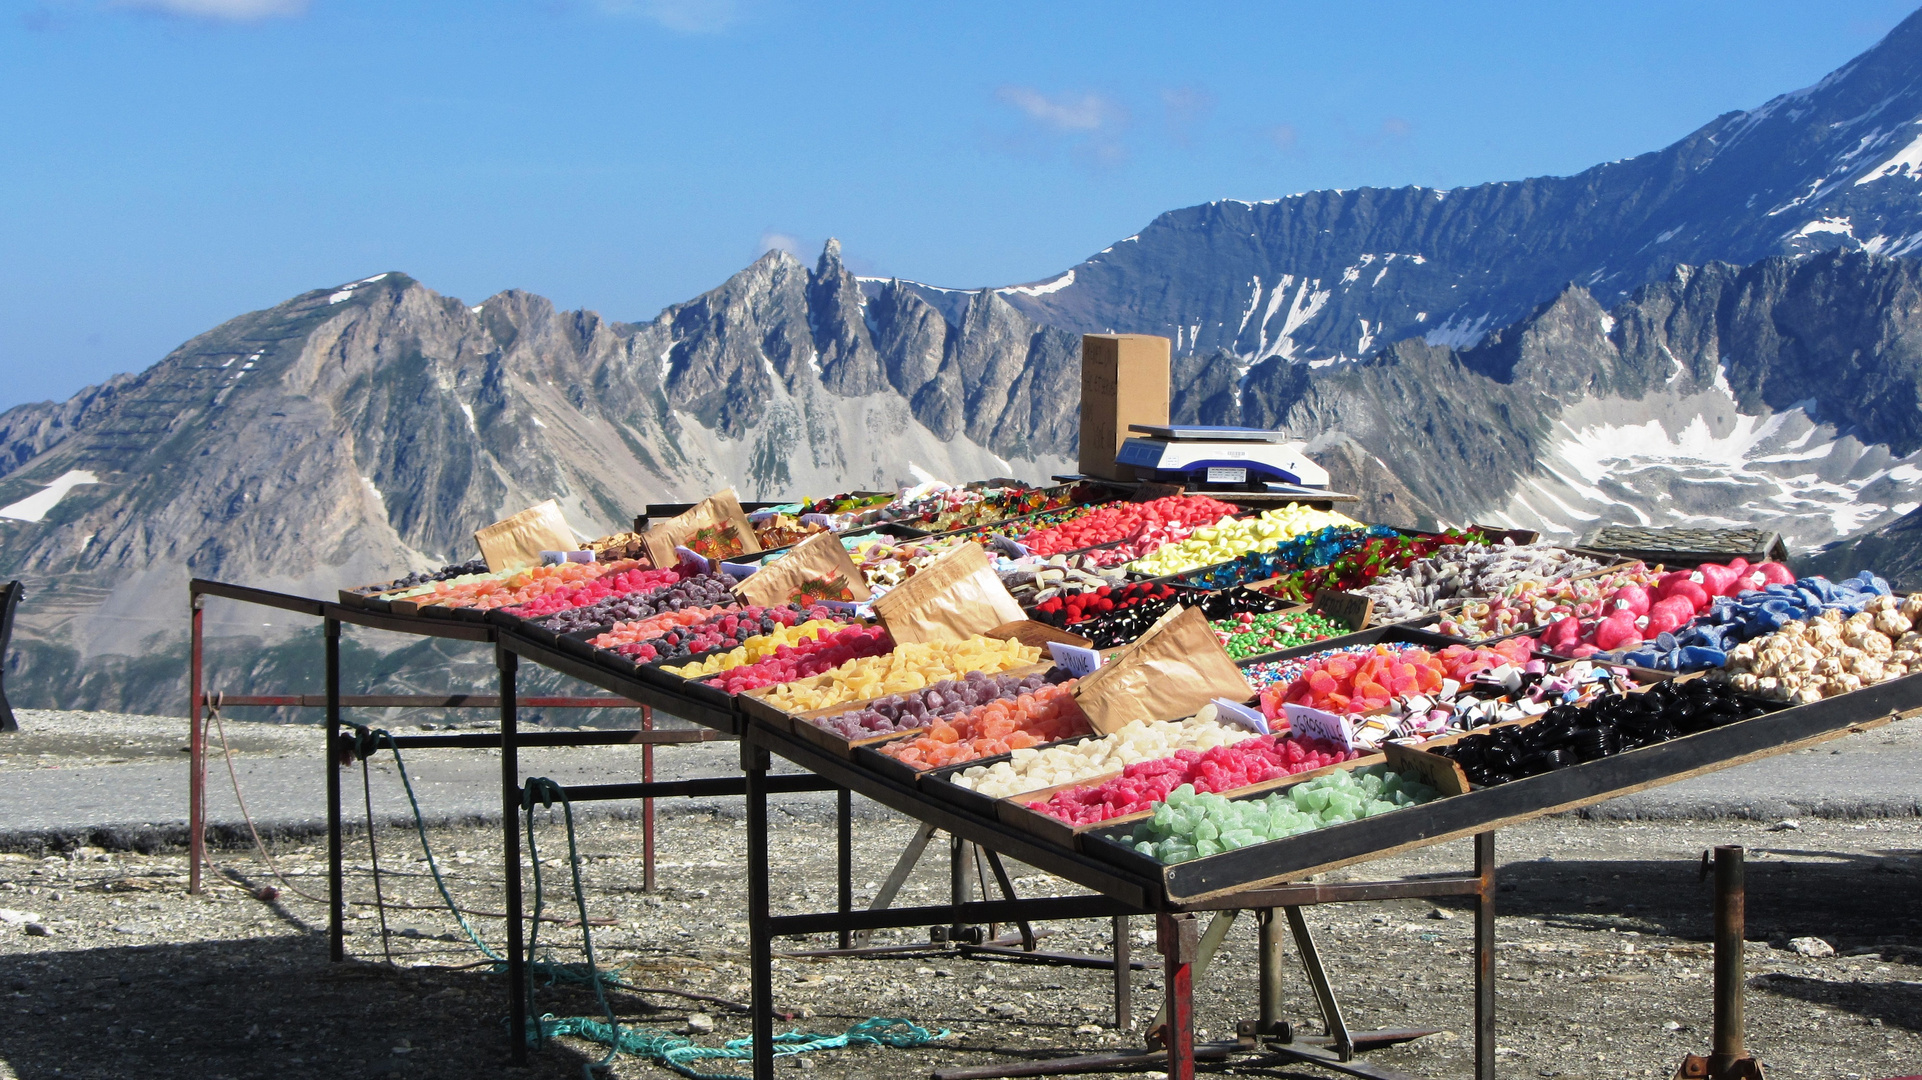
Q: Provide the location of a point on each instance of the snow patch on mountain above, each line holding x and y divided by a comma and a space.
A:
1694, 459
36, 506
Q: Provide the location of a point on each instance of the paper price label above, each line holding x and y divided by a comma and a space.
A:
1315, 724
1074, 659
1236, 712
737, 570
689, 555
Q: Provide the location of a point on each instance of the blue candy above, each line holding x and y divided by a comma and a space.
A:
1705, 643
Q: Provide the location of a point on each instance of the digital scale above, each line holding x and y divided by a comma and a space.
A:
1204, 458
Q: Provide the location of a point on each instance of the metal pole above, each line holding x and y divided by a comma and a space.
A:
196, 763
336, 910
958, 890
1180, 942
1731, 916
508, 664
1124, 1006
1268, 926
1485, 957
647, 804
844, 856
754, 763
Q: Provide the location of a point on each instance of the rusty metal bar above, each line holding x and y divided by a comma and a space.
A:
487, 740
1124, 1008
1731, 917
1038, 908
1485, 957
418, 701
647, 804
336, 885
196, 763
1180, 943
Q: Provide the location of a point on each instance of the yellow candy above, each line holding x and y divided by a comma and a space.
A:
908, 667
758, 647
1232, 538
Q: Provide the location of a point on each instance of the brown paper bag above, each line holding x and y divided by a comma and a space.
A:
1168, 673
517, 542
956, 596
817, 568
715, 527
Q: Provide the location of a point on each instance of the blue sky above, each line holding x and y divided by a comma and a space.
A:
169, 164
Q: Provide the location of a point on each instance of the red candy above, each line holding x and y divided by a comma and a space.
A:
1223, 768
1126, 521
791, 662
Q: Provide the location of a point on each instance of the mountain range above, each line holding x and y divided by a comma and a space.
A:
1722, 331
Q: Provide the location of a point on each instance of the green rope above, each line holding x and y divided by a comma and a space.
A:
544, 791
679, 1054
364, 742
671, 1050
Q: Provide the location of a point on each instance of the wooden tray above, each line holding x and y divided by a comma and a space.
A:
1014, 810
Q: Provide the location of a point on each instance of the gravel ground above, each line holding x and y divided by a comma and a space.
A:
1603, 964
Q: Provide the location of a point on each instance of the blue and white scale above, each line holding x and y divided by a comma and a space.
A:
1200, 456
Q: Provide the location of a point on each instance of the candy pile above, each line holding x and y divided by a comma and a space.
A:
1831, 654
470, 568
1360, 566
885, 563
675, 634
1571, 734
1134, 522
917, 709
621, 545
1223, 768
1036, 579
701, 591
1313, 549
1350, 683
1194, 826
1572, 608
783, 530
824, 653
1234, 538
1467, 570
1248, 634
1506, 692
756, 646
1731, 620
908, 667
1022, 526
1032, 770
1046, 715
626, 583
1269, 673
994, 505
520, 587
1072, 608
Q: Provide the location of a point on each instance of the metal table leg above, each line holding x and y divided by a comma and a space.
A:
844, 857
1124, 1006
754, 764
508, 664
1180, 944
336, 906
1485, 957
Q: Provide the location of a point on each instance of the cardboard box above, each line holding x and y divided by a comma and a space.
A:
1124, 380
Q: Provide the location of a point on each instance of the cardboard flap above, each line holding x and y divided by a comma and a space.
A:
1440, 772
817, 568
516, 542
1168, 673
716, 528
957, 596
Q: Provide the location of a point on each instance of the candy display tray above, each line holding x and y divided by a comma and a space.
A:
757, 708
1014, 811
870, 758
1486, 809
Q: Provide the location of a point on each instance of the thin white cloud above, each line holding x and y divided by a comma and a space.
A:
230, 10
1284, 137
1188, 109
1085, 112
685, 16
779, 241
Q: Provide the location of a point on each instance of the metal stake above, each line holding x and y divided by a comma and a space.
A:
336, 889
844, 857
1485, 957
196, 765
754, 763
647, 804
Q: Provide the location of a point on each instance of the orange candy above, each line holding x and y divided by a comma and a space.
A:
999, 727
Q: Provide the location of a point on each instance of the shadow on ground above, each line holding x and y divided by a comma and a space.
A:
258, 1007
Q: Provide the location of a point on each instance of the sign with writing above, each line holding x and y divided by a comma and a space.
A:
1308, 723
1348, 609
1219, 475
1073, 659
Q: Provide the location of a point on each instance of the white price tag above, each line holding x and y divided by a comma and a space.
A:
739, 570
1315, 724
1074, 659
1236, 712
689, 555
